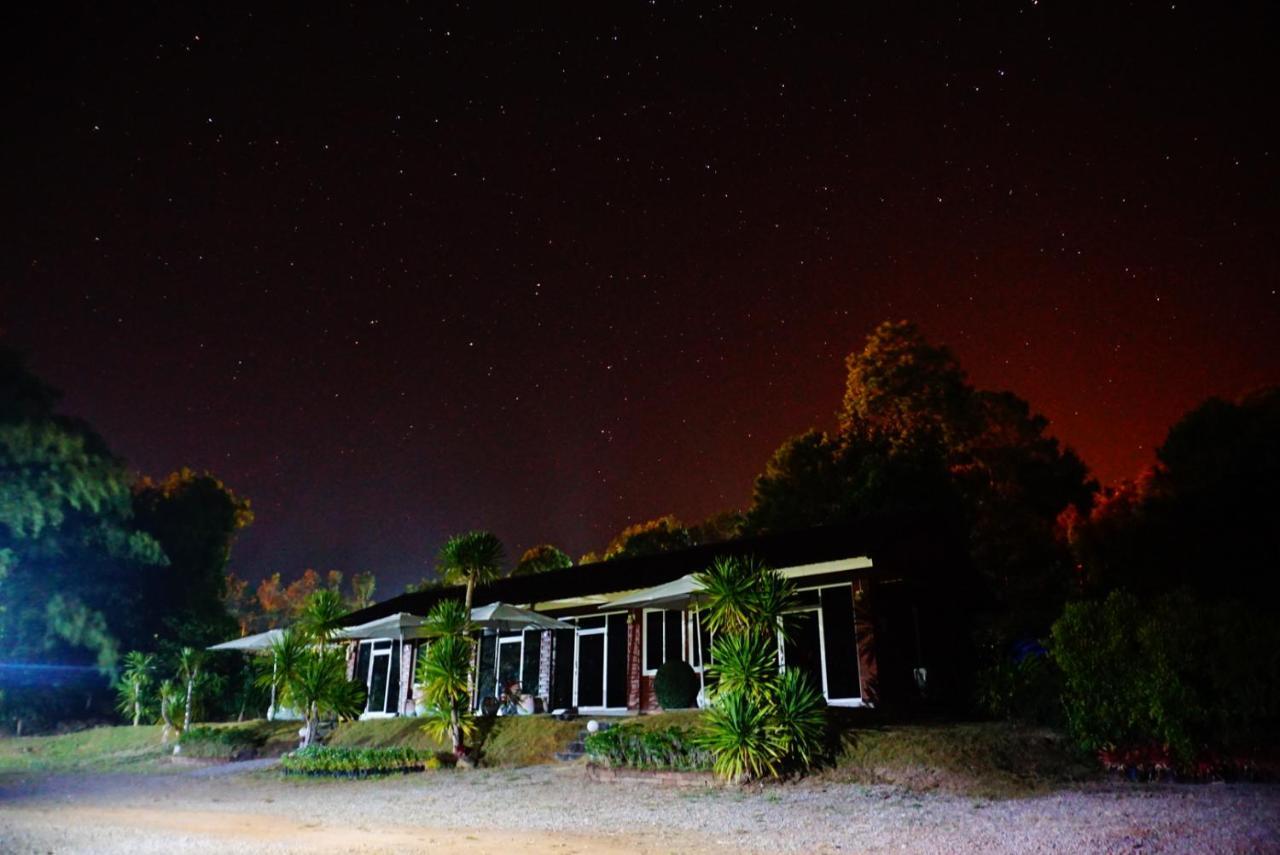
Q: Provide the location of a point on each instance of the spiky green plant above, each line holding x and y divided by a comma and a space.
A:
798, 711
729, 594
447, 617
171, 696
135, 684
322, 615
319, 687
190, 669
744, 663
444, 668
740, 734
281, 663
470, 559
761, 723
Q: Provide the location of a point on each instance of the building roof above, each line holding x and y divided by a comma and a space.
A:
872, 537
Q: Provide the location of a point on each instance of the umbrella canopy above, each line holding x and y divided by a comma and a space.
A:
674, 594
400, 625
505, 618
259, 641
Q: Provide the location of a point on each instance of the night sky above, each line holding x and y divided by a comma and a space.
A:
393, 275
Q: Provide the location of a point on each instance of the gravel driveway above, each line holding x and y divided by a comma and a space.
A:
556, 810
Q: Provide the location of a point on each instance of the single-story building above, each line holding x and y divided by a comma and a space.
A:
858, 629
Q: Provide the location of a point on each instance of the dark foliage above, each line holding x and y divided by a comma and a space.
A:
676, 685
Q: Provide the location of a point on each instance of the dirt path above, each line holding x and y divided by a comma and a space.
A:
555, 810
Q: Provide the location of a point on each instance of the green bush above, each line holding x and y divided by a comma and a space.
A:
628, 745
223, 743
322, 760
1180, 673
676, 685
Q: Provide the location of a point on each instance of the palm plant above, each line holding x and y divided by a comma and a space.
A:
285, 657
740, 735
729, 594
322, 615
444, 666
744, 663
319, 686
474, 558
170, 697
135, 680
799, 718
761, 723
190, 663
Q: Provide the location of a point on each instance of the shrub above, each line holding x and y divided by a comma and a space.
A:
1180, 674
322, 760
676, 685
223, 743
629, 745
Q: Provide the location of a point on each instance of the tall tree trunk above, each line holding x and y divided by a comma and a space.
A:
471, 672
186, 717
137, 710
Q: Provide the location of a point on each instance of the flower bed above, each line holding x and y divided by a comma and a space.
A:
630, 746
322, 760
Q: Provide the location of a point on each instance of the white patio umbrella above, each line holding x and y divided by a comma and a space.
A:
506, 618
257, 643
677, 594
400, 625
253, 643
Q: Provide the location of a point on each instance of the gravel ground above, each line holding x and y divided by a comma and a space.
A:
555, 809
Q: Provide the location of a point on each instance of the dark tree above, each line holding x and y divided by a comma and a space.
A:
540, 559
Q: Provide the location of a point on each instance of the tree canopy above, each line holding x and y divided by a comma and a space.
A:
541, 559
914, 435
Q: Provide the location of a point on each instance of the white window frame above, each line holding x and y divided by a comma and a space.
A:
822, 645
578, 632
374, 654
497, 662
692, 618
644, 638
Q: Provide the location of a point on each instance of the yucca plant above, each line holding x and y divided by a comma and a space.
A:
740, 734
470, 559
135, 682
448, 617
190, 665
744, 663
281, 663
319, 686
322, 616
761, 723
171, 697
729, 600
799, 718
444, 668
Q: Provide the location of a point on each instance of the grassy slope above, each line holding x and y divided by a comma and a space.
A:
97, 749
505, 741
986, 759
119, 749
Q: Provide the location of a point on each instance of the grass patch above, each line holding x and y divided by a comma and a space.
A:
134, 749
384, 733
983, 759
95, 749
